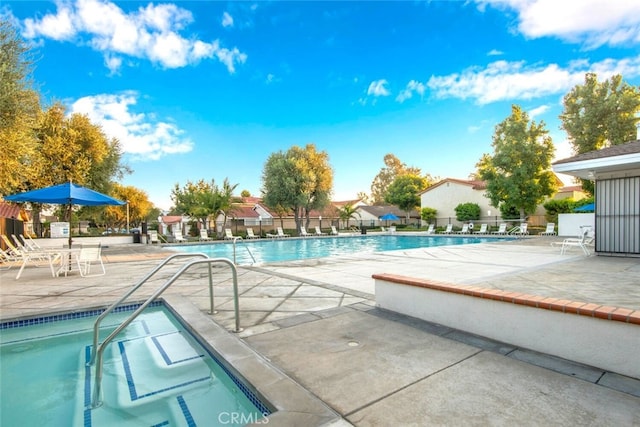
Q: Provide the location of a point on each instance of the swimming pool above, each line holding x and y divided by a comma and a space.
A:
156, 373
290, 249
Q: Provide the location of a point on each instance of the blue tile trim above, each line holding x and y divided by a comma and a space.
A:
162, 424
69, 316
185, 412
87, 387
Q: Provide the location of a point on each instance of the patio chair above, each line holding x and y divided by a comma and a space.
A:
204, 237
464, 230
30, 243
502, 229
448, 230
86, 257
177, 237
319, 232
520, 230
586, 237
392, 229
483, 229
431, 229
303, 232
334, 232
250, 234
550, 230
281, 233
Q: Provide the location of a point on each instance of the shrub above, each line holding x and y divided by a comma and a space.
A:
467, 212
428, 214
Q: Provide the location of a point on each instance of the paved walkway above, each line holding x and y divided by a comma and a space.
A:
316, 320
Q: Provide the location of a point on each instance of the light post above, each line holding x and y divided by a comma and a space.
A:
320, 219
260, 221
127, 217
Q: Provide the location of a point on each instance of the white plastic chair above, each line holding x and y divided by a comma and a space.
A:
86, 257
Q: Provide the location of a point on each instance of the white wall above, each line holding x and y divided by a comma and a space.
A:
569, 223
444, 198
604, 344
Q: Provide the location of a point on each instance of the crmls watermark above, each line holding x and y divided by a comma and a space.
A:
241, 418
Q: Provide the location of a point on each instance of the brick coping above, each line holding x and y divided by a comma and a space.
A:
605, 312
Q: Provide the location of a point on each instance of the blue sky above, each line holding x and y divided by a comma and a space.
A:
209, 89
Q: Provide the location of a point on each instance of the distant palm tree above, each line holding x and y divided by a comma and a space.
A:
347, 212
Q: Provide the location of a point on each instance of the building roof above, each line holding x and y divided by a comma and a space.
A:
617, 160
10, 210
615, 150
474, 184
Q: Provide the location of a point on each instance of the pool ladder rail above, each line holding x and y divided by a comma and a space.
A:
97, 350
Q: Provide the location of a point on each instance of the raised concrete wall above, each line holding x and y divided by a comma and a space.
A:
604, 337
569, 224
104, 240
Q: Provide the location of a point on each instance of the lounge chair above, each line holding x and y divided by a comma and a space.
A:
448, 230
392, 229
431, 229
353, 229
228, 235
281, 233
177, 237
483, 229
464, 230
250, 234
319, 232
30, 243
384, 230
334, 232
204, 237
586, 238
27, 256
520, 230
303, 232
550, 230
502, 229
86, 257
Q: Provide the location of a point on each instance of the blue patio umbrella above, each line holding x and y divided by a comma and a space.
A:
389, 217
68, 194
590, 207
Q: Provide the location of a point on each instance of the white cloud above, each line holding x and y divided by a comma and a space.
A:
227, 20
377, 88
152, 33
538, 111
495, 52
504, 81
140, 135
412, 86
592, 22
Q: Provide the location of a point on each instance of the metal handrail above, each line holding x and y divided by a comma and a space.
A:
100, 350
96, 325
247, 247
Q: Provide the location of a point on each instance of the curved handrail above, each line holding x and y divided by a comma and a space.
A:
247, 247
96, 325
99, 352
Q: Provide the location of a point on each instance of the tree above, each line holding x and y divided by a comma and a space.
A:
299, 180
19, 111
201, 199
139, 207
404, 192
518, 174
428, 214
347, 212
598, 115
394, 168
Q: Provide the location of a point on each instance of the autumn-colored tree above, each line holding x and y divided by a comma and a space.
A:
138, 207
19, 110
299, 180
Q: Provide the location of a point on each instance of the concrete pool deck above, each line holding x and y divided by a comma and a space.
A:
317, 322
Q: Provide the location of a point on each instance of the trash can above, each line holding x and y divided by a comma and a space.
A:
363, 230
136, 236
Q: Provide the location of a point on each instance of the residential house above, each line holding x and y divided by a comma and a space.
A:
370, 215
448, 193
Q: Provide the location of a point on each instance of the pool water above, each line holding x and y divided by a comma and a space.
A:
290, 249
155, 374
